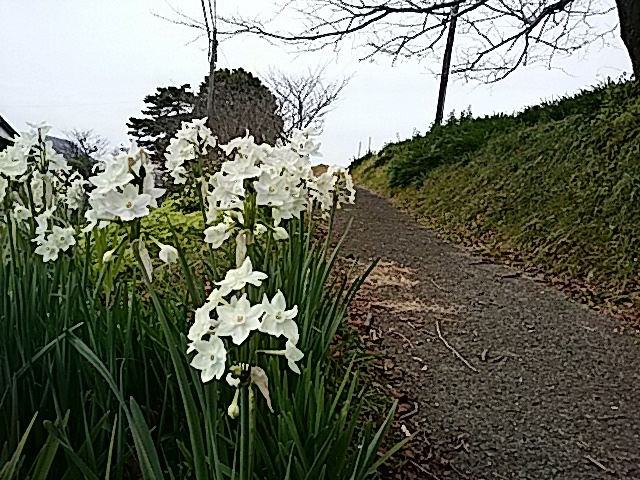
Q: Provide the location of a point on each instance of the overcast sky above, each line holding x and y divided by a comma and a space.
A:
88, 64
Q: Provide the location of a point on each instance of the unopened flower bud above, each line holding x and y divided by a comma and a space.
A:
234, 410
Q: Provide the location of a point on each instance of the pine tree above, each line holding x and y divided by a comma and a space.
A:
242, 102
166, 109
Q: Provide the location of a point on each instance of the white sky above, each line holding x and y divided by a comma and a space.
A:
88, 64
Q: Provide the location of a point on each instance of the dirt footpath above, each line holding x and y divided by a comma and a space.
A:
525, 383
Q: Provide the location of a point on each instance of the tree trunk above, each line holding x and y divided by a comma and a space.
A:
629, 14
446, 64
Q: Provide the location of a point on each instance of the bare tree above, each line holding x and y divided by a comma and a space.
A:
303, 100
498, 35
88, 143
85, 147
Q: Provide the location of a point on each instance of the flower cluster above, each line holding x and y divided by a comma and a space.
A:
39, 192
124, 188
236, 318
255, 193
192, 140
263, 185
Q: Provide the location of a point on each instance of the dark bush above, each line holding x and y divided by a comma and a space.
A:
460, 138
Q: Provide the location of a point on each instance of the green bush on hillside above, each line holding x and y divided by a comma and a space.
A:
454, 142
460, 138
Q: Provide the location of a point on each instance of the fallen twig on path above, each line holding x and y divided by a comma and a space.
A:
410, 413
455, 352
598, 464
436, 285
423, 470
611, 417
403, 337
511, 275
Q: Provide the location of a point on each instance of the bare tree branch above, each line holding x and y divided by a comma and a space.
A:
303, 100
496, 36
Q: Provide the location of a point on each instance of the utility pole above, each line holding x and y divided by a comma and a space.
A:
210, 21
213, 57
446, 63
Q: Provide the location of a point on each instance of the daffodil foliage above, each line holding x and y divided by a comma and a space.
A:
251, 199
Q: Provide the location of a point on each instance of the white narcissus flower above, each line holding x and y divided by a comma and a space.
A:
280, 233
75, 192
37, 185
237, 279
20, 213
293, 354
203, 323
13, 161
216, 297
48, 249
115, 174
194, 138
277, 319
218, 234
322, 190
242, 145
240, 169
57, 162
168, 254
149, 186
62, 237
210, 359
302, 142
238, 319
227, 193
43, 223
343, 185
129, 204
271, 190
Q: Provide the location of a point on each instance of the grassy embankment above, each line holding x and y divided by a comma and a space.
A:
553, 188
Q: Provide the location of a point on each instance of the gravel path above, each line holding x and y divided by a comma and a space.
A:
556, 394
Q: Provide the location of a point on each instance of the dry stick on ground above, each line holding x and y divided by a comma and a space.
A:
423, 470
403, 337
436, 285
455, 352
598, 464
